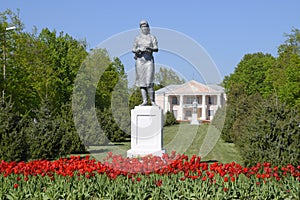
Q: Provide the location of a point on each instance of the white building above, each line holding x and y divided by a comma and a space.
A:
179, 100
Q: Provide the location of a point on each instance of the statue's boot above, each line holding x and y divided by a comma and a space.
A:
151, 96
144, 96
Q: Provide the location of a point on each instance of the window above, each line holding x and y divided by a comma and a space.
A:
174, 101
190, 99
211, 100
211, 113
188, 113
199, 100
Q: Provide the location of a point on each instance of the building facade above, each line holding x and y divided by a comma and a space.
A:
179, 100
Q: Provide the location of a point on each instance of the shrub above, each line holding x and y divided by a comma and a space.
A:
270, 132
170, 119
46, 136
12, 138
111, 129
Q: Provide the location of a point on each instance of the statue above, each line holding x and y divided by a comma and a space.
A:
195, 105
194, 115
144, 46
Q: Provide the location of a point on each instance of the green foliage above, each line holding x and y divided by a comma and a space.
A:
262, 112
215, 181
270, 132
285, 75
219, 118
83, 100
12, 139
65, 55
43, 66
249, 75
100, 105
50, 136
170, 119
135, 98
109, 126
70, 142
120, 99
40, 67
167, 76
44, 136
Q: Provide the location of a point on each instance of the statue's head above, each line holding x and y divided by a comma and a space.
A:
144, 26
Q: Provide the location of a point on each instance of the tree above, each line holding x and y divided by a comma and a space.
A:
43, 134
285, 75
120, 100
13, 144
113, 73
270, 132
135, 98
41, 66
83, 99
250, 74
170, 119
166, 77
100, 98
248, 79
262, 112
65, 56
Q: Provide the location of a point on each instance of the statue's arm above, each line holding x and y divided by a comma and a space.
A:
135, 48
154, 47
151, 49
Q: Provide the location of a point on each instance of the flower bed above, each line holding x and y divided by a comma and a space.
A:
170, 177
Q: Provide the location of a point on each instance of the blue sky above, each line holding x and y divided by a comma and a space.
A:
227, 30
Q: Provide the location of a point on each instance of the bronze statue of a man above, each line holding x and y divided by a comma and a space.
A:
144, 46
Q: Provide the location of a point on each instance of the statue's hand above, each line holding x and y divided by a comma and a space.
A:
148, 49
137, 54
151, 50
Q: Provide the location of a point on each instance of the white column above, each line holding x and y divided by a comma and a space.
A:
180, 110
166, 103
203, 113
219, 100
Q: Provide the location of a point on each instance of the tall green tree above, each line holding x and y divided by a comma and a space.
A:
9, 43
65, 56
250, 74
120, 99
285, 75
13, 146
262, 112
40, 67
114, 72
269, 132
84, 97
248, 79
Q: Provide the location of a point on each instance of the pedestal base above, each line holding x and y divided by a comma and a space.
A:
146, 131
194, 119
139, 153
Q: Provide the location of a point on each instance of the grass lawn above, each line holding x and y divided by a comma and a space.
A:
203, 140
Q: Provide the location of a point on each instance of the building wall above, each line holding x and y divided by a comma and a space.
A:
181, 111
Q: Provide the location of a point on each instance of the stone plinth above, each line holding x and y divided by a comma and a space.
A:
194, 119
146, 131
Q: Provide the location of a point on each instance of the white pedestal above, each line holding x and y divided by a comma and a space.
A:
146, 131
194, 119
